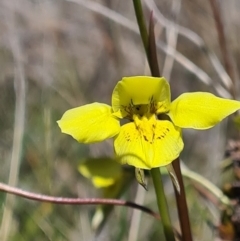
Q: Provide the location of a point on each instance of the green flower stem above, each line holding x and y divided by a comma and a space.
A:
182, 204
162, 204
161, 199
148, 39
141, 24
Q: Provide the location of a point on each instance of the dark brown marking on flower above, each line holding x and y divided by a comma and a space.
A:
127, 136
152, 105
128, 109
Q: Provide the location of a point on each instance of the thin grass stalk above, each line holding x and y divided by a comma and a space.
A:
20, 104
223, 44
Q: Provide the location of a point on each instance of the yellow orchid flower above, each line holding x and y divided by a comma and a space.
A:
152, 136
103, 171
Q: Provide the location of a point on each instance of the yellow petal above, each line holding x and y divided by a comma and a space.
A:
103, 172
90, 123
200, 110
141, 90
154, 145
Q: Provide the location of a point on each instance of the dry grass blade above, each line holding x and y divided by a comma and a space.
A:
181, 59
197, 40
20, 89
172, 37
100, 9
136, 215
223, 42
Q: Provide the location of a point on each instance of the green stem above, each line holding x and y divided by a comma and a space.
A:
148, 39
162, 204
141, 24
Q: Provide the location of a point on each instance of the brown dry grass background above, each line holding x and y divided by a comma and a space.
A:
55, 55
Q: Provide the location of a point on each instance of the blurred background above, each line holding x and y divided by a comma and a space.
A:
56, 55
